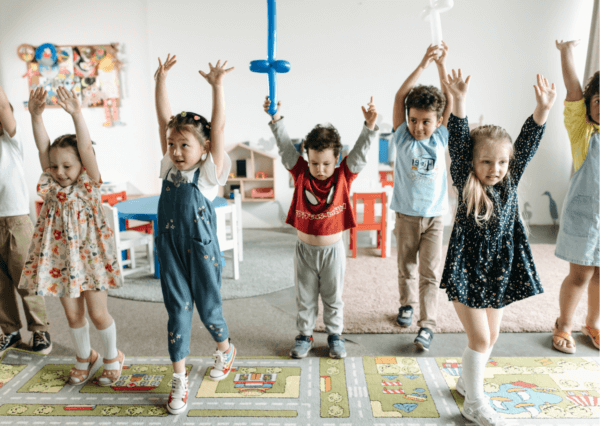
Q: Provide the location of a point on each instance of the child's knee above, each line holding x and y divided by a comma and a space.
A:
100, 318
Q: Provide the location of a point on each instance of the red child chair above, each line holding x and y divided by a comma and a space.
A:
368, 223
386, 177
117, 197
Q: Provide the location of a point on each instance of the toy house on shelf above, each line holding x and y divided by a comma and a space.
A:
252, 172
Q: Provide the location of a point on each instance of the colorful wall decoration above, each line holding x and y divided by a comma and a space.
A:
92, 71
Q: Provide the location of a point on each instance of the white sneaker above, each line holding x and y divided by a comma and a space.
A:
178, 397
482, 414
223, 363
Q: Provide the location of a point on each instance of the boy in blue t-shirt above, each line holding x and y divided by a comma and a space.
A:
420, 192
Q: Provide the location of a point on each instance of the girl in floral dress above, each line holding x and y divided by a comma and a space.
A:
72, 253
489, 262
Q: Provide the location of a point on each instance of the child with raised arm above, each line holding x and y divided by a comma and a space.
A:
72, 253
320, 211
489, 263
194, 165
16, 230
578, 236
420, 196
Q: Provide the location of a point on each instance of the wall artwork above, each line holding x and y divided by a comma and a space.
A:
92, 71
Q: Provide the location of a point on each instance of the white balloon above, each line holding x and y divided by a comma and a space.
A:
432, 14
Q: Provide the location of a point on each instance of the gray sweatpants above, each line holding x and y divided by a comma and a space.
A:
320, 270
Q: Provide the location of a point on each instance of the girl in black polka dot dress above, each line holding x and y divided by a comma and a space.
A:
489, 263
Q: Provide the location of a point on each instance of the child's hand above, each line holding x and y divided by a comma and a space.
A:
266, 106
68, 100
37, 101
456, 85
441, 60
430, 55
544, 93
562, 45
216, 73
163, 69
370, 114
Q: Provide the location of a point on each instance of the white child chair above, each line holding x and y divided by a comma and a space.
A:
128, 240
228, 227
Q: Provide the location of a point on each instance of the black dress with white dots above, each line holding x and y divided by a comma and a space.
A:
490, 266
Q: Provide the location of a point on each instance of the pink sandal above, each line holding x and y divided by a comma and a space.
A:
83, 375
112, 375
565, 336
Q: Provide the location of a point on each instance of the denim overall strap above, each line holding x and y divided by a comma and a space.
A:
578, 237
190, 262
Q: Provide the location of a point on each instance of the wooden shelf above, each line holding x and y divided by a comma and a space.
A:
256, 161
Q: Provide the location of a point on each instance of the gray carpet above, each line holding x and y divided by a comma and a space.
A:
268, 266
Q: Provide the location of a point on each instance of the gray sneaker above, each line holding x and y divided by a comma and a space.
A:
337, 348
9, 340
302, 346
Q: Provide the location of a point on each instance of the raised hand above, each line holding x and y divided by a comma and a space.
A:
68, 100
562, 45
370, 114
443, 49
430, 55
37, 101
216, 74
163, 69
545, 94
456, 85
266, 106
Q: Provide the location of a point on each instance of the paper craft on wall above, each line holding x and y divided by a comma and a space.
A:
91, 71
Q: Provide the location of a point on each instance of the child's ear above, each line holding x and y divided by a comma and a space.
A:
207, 145
439, 122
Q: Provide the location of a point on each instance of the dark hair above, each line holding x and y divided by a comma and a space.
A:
590, 90
321, 138
66, 141
427, 98
193, 123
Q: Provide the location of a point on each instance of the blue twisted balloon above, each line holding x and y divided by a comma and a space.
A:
271, 66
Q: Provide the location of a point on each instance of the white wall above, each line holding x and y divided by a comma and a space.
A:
341, 52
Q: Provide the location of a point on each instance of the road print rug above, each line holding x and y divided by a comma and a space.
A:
277, 391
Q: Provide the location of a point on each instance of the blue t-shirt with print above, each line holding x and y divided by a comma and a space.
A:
420, 182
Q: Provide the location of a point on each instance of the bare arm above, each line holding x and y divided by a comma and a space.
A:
7, 118
217, 122
161, 99
69, 101
399, 115
36, 106
574, 92
441, 65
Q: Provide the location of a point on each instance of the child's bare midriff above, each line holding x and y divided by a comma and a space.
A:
319, 240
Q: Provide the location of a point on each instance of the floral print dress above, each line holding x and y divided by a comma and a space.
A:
72, 249
490, 266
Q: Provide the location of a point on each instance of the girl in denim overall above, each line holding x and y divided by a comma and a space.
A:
193, 167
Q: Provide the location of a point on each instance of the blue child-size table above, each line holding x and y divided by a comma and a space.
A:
146, 209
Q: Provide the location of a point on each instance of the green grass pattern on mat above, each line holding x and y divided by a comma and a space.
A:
51, 378
83, 410
334, 392
242, 413
8, 372
137, 378
535, 387
253, 382
397, 388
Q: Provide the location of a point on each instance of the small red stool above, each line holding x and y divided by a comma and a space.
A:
386, 177
368, 223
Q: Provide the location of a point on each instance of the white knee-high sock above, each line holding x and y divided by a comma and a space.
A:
81, 341
109, 338
473, 366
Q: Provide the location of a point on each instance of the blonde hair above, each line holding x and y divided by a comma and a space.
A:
475, 195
